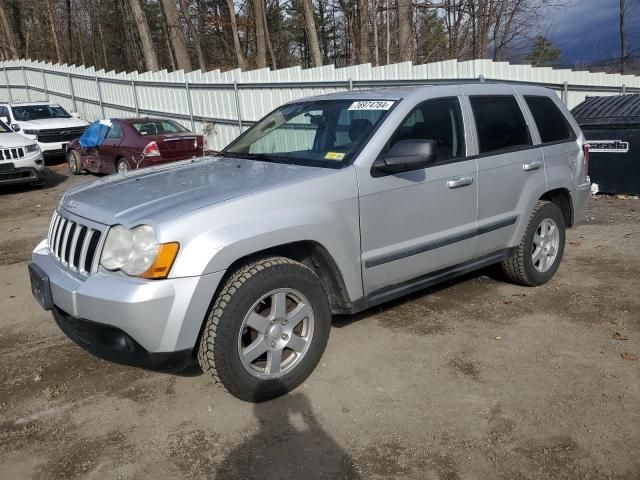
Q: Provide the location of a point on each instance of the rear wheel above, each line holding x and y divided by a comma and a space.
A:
538, 256
74, 162
122, 165
267, 329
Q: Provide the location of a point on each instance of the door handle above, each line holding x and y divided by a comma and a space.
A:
527, 167
459, 182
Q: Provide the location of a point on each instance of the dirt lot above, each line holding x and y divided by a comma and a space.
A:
473, 379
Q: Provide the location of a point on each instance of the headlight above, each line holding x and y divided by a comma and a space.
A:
32, 148
30, 132
137, 252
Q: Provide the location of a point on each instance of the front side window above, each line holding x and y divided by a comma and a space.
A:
552, 124
39, 112
438, 120
500, 123
325, 133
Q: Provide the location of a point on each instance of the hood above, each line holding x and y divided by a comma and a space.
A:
12, 140
152, 195
47, 123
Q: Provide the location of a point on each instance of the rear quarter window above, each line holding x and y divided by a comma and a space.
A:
552, 125
500, 123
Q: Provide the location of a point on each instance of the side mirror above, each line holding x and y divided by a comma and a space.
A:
4, 120
407, 155
15, 127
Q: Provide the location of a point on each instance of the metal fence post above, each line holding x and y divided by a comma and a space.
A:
44, 84
72, 92
99, 90
565, 93
624, 89
350, 84
135, 97
26, 84
238, 112
190, 105
481, 78
6, 77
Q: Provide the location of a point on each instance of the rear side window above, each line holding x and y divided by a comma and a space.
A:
552, 124
439, 120
500, 123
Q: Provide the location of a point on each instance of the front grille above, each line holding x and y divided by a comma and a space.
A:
74, 245
54, 135
11, 153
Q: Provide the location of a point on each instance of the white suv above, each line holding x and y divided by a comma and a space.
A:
20, 158
50, 125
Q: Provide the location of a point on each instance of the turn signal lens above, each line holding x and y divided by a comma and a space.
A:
161, 266
151, 150
585, 152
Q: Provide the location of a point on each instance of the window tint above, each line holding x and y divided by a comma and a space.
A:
552, 124
438, 120
115, 131
158, 127
499, 122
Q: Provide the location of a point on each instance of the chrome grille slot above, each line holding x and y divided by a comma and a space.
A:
12, 153
74, 245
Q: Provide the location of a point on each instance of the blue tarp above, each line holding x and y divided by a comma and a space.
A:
95, 133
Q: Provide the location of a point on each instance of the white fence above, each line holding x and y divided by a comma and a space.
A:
222, 104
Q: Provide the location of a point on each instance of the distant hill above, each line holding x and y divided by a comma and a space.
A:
610, 65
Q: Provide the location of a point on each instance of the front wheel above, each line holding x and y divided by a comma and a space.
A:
538, 256
267, 329
75, 163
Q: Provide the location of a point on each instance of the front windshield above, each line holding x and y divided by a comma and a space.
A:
325, 133
39, 112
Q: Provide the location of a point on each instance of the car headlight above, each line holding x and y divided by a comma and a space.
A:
136, 252
32, 148
30, 132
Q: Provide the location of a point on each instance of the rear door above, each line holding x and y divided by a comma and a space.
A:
417, 222
510, 170
109, 151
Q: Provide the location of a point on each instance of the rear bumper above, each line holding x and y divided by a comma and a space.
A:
115, 345
579, 201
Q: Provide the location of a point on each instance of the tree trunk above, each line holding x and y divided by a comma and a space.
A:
267, 37
388, 33
54, 31
376, 50
148, 49
240, 58
67, 9
312, 34
623, 39
103, 45
405, 48
261, 38
176, 35
9, 33
195, 36
363, 31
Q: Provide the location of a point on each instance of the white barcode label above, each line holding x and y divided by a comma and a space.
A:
372, 105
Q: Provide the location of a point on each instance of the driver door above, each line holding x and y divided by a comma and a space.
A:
110, 148
416, 223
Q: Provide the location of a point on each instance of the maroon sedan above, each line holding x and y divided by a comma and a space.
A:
133, 143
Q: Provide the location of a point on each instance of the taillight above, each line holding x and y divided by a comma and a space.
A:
151, 150
585, 157
205, 146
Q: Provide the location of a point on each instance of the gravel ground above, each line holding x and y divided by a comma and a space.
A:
473, 379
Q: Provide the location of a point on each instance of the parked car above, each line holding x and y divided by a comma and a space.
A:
331, 204
20, 159
50, 125
134, 143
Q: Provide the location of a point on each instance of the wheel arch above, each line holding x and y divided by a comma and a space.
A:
562, 198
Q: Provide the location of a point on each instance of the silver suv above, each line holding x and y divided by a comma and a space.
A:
327, 205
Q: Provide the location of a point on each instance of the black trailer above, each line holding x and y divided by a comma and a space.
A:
611, 126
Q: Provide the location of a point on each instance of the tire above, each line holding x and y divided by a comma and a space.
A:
533, 263
122, 166
227, 334
75, 163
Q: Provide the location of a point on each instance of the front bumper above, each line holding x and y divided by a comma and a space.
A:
126, 319
21, 170
579, 200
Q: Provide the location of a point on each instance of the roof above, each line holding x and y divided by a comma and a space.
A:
617, 109
26, 103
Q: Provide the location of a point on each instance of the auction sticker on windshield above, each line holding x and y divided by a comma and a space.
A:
372, 105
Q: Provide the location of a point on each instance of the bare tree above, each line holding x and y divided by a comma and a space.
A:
9, 34
195, 35
363, 30
54, 31
148, 49
176, 35
405, 47
261, 40
623, 40
240, 58
312, 34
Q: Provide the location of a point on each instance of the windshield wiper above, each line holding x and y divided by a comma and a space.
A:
256, 156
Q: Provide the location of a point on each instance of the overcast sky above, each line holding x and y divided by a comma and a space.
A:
587, 30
